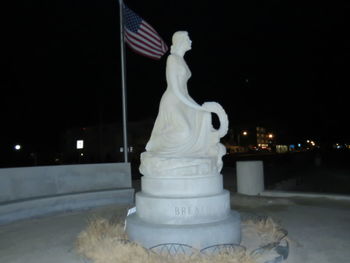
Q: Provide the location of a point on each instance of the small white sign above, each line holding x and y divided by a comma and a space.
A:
130, 212
80, 144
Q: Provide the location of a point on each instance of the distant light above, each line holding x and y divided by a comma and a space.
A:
337, 146
245, 133
299, 144
81, 154
307, 141
80, 144
17, 147
270, 135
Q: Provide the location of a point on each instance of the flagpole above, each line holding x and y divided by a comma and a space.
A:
122, 56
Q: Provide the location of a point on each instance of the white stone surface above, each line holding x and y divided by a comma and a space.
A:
182, 187
180, 211
250, 177
182, 198
199, 236
183, 133
158, 165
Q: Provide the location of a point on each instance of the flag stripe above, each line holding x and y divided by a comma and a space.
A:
148, 36
151, 30
140, 45
141, 37
143, 51
136, 37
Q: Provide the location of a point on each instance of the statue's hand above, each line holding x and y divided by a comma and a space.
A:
218, 110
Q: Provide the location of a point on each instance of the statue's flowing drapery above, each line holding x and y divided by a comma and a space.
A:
183, 128
180, 130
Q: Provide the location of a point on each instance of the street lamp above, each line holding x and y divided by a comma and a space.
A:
244, 133
17, 147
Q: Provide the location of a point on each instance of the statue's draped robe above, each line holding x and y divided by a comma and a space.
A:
181, 129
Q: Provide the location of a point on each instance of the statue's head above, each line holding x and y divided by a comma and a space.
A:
181, 42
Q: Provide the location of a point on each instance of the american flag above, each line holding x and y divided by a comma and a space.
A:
141, 36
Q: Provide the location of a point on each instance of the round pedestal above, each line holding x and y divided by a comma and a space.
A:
183, 202
183, 210
199, 236
158, 165
182, 186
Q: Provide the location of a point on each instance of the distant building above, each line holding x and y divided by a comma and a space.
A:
265, 139
248, 137
104, 143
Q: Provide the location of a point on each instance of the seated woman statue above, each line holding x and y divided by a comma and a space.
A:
183, 140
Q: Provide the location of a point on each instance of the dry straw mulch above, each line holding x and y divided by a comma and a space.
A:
106, 242
264, 231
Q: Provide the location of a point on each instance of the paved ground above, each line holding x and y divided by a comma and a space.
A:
320, 229
49, 239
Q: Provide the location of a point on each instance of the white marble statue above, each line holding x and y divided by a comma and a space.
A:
182, 199
183, 141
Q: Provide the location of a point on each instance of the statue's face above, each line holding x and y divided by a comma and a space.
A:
187, 43
181, 41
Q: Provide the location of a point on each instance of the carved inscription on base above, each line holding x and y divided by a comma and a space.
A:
193, 211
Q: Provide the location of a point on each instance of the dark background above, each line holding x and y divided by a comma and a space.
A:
282, 64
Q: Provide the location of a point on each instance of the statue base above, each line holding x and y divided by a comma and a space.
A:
198, 219
182, 202
198, 236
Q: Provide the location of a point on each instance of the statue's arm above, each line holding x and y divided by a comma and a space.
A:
174, 83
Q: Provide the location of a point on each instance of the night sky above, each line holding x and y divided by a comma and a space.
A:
277, 63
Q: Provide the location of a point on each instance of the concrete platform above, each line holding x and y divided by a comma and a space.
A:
32, 208
199, 236
319, 228
29, 192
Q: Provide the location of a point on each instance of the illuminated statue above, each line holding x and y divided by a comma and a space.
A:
183, 140
182, 199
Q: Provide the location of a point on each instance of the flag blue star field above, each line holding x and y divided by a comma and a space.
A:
141, 36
